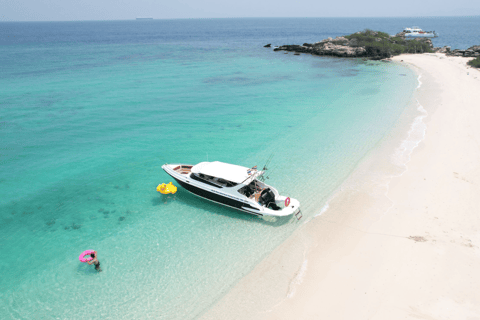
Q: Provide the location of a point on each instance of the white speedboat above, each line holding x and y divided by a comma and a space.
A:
234, 186
416, 32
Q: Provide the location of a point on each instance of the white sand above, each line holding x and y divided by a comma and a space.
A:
405, 249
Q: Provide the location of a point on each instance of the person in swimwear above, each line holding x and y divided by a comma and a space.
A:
95, 261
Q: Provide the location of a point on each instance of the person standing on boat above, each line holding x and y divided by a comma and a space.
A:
95, 261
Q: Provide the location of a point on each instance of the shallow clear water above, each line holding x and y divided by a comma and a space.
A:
91, 110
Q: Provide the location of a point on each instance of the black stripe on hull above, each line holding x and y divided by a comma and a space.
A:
217, 198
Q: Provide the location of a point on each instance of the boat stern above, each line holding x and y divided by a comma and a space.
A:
289, 206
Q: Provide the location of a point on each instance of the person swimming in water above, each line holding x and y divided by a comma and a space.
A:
95, 261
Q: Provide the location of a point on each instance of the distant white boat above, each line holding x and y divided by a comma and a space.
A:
416, 32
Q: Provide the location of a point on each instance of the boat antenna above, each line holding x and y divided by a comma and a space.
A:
265, 168
267, 163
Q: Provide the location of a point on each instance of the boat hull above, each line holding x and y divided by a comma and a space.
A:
420, 35
217, 198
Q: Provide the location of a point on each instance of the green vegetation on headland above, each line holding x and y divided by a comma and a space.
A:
381, 44
371, 44
475, 62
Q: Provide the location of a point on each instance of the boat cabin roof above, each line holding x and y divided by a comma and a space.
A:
226, 171
413, 29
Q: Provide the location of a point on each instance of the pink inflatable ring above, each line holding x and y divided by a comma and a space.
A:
84, 253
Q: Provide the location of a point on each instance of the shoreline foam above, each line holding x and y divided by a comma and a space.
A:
409, 252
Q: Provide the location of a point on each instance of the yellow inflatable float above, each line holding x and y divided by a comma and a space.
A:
166, 188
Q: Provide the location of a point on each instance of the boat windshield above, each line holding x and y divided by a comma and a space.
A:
213, 181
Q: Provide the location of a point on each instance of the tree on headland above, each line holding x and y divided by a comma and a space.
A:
381, 44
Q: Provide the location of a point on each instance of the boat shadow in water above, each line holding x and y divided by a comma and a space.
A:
188, 199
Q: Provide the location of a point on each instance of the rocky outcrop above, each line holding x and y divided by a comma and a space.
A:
444, 49
348, 47
338, 47
473, 51
424, 40
475, 48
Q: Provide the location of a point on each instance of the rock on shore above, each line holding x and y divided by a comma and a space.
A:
473, 51
338, 47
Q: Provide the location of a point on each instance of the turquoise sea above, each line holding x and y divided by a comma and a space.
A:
89, 111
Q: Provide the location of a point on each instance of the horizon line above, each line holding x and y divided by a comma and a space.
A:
218, 18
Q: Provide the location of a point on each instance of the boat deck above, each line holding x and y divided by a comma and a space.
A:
183, 169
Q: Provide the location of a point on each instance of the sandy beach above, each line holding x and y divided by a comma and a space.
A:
399, 246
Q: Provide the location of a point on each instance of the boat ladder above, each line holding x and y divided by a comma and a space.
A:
299, 215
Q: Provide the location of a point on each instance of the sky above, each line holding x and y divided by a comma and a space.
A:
74, 10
